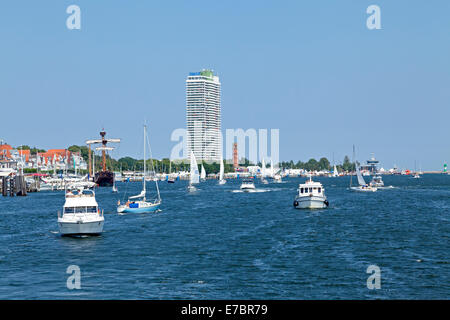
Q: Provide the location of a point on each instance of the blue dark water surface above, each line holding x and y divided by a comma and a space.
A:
220, 244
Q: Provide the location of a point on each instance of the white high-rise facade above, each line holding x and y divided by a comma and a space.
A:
203, 121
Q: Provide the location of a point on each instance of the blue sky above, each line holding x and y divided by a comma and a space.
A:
309, 68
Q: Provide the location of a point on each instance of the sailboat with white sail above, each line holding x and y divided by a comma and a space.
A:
221, 173
194, 177
114, 188
263, 172
335, 172
416, 174
203, 173
139, 203
363, 186
170, 178
274, 174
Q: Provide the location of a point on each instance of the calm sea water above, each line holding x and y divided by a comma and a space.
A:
220, 244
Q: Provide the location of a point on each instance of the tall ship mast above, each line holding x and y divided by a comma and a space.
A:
104, 178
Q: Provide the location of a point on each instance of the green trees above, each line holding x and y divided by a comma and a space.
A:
347, 165
324, 164
84, 151
32, 150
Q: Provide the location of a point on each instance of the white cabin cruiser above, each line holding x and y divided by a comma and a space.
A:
311, 195
81, 215
248, 185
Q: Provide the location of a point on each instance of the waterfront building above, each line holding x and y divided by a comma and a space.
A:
371, 166
203, 115
53, 159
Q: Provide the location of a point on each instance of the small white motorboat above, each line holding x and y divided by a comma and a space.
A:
377, 181
81, 215
248, 186
311, 195
277, 178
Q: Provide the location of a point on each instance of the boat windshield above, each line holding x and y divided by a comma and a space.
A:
90, 209
311, 190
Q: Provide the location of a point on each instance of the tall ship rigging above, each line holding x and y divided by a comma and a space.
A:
105, 177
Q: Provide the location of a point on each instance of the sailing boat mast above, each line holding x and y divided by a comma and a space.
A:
144, 191
353, 161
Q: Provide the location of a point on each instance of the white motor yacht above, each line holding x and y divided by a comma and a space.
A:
311, 195
81, 215
248, 185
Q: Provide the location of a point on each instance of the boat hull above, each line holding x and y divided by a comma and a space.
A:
359, 189
147, 208
310, 202
104, 178
81, 228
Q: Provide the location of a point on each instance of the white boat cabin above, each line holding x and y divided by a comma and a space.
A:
80, 201
310, 188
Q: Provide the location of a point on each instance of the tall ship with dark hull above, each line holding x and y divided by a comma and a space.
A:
105, 177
